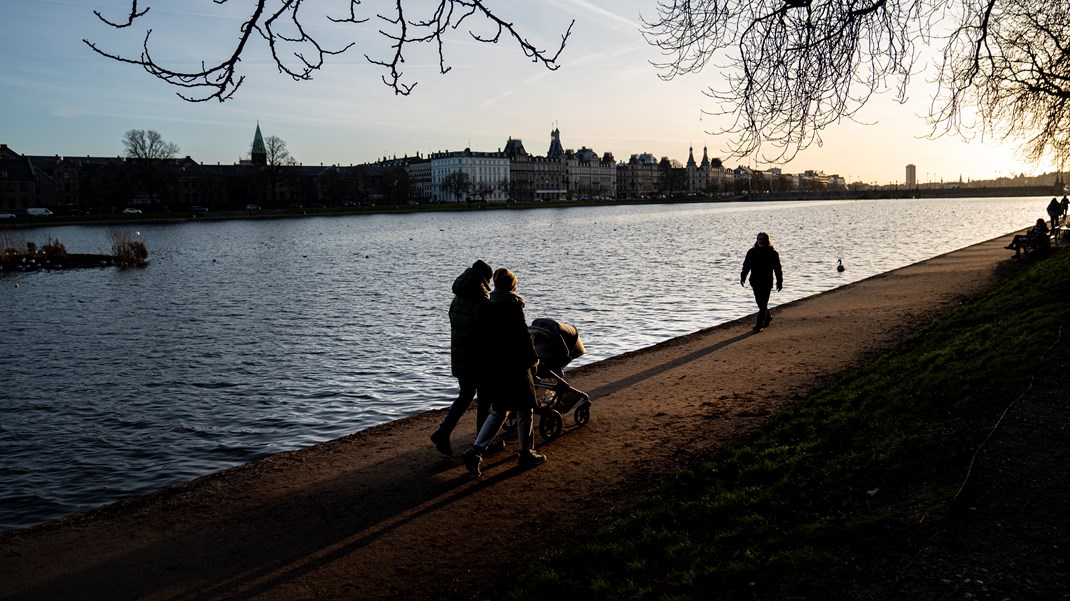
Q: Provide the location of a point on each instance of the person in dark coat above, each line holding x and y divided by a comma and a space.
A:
1035, 236
763, 263
471, 290
509, 363
1055, 210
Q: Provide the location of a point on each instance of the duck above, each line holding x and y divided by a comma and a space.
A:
839, 265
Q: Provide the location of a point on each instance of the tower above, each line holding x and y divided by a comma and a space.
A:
556, 150
259, 152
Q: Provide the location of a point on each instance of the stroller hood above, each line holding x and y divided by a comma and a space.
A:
556, 343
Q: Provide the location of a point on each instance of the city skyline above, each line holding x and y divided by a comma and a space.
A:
606, 96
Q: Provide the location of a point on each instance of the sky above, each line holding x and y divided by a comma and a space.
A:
58, 97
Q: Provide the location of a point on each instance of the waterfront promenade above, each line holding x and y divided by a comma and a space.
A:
381, 515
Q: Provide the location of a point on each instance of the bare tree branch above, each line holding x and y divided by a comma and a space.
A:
298, 53
1014, 83
134, 13
794, 67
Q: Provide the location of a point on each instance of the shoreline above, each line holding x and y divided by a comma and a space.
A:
116, 219
379, 514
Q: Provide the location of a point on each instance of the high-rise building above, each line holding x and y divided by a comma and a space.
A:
912, 176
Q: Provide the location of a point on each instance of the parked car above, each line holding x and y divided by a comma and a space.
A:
7, 215
252, 207
316, 205
129, 211
38, 212
199, 210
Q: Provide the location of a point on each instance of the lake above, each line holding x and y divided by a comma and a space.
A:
250, 337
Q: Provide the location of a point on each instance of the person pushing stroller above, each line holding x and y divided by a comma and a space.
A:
507, 375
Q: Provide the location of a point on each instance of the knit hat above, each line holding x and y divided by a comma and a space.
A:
483, 269
504, 280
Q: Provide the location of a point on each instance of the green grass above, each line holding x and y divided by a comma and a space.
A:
794, 510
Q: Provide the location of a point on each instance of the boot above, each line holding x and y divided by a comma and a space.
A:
473, 461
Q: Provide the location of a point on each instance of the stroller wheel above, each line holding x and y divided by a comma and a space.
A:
582, 414
550, 424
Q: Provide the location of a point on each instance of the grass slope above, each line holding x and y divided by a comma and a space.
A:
835, 497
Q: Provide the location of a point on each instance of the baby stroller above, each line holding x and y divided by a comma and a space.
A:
557, 345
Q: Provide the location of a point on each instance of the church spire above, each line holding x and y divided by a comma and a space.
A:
259, 152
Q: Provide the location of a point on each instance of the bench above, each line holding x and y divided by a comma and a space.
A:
1042, 243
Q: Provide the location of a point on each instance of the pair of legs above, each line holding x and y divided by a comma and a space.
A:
761, 297
525, 429
523, 394
441, 436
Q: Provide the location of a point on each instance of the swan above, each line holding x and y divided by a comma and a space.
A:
839, 265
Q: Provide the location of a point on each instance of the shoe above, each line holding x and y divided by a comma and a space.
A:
441, 441
530, 459
473, 462
768, 320
757, 329
496, 446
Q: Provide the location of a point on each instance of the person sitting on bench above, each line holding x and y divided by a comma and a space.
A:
1036, 236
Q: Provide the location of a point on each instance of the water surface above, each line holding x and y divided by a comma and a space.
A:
246, 338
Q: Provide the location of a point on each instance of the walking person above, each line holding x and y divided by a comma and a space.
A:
509, 362
762, 263
471, 290
1055, 209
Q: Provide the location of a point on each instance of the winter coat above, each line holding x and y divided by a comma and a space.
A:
470, 293
763, 262
509, 354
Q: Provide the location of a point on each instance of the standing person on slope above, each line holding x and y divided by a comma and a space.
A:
762, 262
471, 290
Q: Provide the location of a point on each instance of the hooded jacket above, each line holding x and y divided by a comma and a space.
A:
470, 291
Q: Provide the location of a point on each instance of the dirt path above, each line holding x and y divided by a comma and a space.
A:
382, 515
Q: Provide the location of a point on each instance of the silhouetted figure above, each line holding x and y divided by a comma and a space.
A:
507, 380
471, 290
1036, 236
1055, 209
763, 263
839, 265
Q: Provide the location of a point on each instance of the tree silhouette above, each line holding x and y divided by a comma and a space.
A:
458, 184
794, 67
298, 53
148, 153
278, 159
148, 145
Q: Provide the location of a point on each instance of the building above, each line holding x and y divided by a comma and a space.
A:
588, 176
468, 175
534, 178
639, 178
912, 177
707, 177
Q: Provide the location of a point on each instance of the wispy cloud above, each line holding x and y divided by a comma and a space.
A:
602, 15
